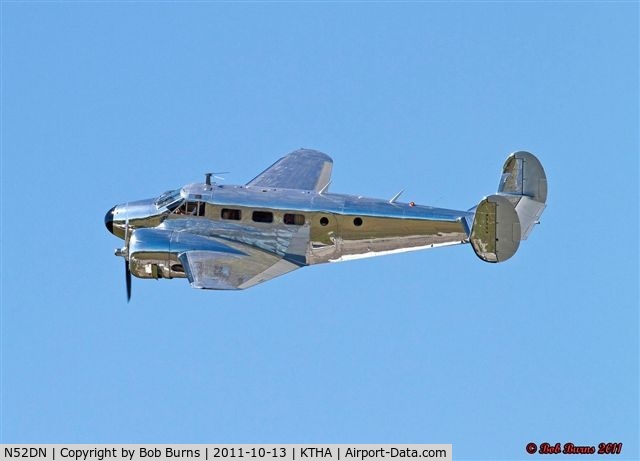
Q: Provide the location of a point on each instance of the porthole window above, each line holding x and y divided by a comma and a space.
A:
177, 268
324, 221
293, 219
357, 222
262, 216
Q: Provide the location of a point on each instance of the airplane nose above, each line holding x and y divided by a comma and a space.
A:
108, 219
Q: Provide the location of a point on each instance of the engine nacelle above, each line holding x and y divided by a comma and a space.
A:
155, 253
151, 255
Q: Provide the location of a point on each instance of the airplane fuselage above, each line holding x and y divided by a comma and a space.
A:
302, 227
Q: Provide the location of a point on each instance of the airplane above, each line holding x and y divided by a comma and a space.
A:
230, 237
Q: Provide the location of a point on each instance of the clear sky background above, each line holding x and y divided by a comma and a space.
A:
103, 103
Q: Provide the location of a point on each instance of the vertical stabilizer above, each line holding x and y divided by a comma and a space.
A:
524, 184
495, 235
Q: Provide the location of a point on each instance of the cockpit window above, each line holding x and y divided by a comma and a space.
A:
191, 209
168, 198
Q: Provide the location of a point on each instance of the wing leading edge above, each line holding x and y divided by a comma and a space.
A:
303, 169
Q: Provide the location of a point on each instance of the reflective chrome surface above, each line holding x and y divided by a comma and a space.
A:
209, 234
304, 169
142, 213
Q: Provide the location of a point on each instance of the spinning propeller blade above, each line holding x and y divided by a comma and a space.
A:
127, 272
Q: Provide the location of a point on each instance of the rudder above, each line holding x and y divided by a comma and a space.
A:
524, 184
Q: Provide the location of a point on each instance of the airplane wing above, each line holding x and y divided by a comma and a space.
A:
303, 169
218, 270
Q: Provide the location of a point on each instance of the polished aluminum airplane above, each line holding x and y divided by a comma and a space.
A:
226, 237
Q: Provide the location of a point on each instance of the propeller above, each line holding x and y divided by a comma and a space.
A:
127, 274
124, 252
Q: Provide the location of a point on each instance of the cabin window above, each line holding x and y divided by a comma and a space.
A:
229, 213
357, 222
262, 216
294, 219
324, 221
200, 209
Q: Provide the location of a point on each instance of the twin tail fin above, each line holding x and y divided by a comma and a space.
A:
507, 217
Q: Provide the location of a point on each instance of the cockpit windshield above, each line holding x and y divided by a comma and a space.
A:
170, 199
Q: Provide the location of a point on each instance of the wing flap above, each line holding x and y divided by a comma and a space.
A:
303, 169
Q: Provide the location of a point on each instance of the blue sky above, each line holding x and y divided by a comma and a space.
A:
108, 102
